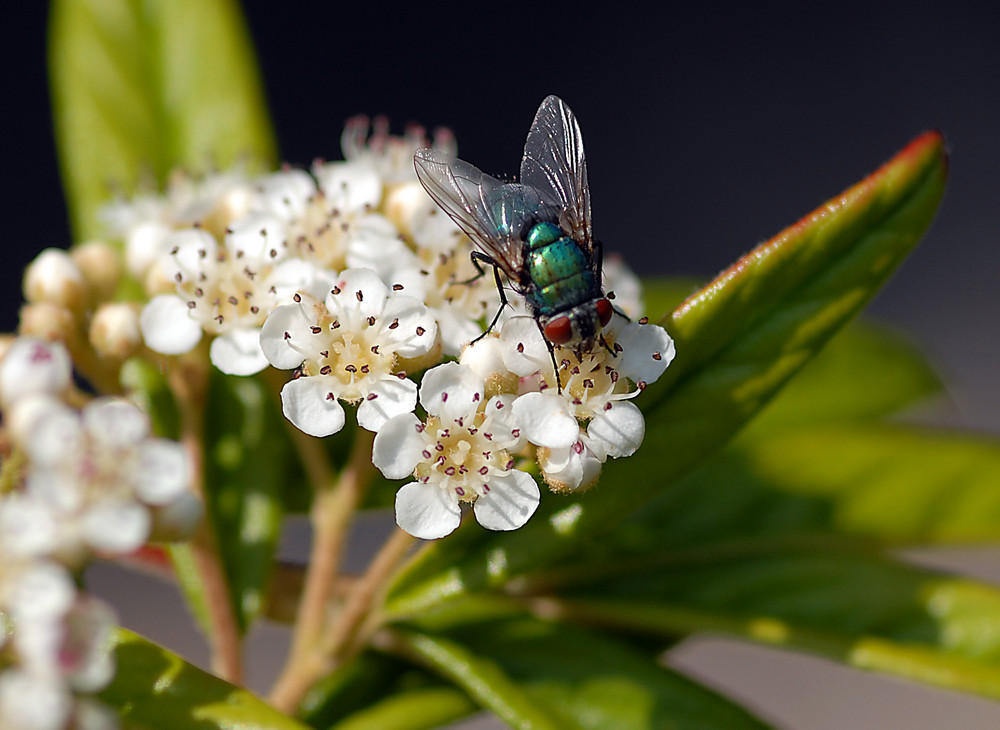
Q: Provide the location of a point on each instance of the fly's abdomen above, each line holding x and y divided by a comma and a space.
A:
558, 270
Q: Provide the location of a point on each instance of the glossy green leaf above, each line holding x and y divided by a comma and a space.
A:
141, 88
248, 462
864, 372
860, 608
480, 677
416, 709
889, 482
587, 681
738, 341
154, 689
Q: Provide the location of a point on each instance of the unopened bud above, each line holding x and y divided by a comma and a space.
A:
54, 278
48, 321
101, 268
143, 246
114, 331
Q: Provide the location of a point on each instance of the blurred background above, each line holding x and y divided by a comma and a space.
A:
707, 131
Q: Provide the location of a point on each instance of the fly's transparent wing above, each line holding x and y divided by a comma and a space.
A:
554, 164
466, 193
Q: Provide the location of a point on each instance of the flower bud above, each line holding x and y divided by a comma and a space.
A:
53, 277
114, 331
143, 245
48, 321
101, 268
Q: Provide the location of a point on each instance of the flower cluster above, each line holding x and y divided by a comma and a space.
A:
349, 276
89, 482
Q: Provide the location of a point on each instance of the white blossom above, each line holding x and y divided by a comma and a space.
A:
227, 291
348, 347
100, 473
462, 453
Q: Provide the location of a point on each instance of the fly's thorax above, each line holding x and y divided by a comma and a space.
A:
557, 272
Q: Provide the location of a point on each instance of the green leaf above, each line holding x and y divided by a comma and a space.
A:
860, 608
154, 689
482, 679
583, 680
417, 709
864, 372
738, 341
249, 462
141, 88
894, 483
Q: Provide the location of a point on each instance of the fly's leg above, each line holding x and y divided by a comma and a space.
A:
476, 257
552, 355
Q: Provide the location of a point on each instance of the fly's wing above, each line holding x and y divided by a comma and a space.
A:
555, 165
462, 191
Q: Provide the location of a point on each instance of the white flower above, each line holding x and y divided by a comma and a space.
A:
100, 472
330, 217
145, 222
33, 367
389, 155
618, 278
348, 348
463, 453
227, 291
33, 701
54, 277
594, 390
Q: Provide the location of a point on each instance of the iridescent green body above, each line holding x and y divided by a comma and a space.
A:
559, 271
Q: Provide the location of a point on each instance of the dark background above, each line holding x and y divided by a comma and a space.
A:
707, 129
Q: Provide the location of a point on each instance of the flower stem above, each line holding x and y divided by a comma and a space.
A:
333, 507
340, 638
188, 380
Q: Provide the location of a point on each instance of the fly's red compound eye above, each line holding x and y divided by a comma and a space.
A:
559, 331
604, 311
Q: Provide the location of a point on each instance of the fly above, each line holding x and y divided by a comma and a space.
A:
536, 231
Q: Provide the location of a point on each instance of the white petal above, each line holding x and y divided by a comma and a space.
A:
502, 424
524, 349
164, 472
427, 511
620, 279
388, 397
115, 423
647, 350
56, 438
167, 326
458, 329
546, 420
287, 352
117, 527
362, 291
565, 470
293, 275
415, 329
33, 701
485, 357
257, 236
238, 352
398, 445
188, 251
349, 186
286, 193
44, 591
34, 367
306, 402
620, 428
510, 501
451, 391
